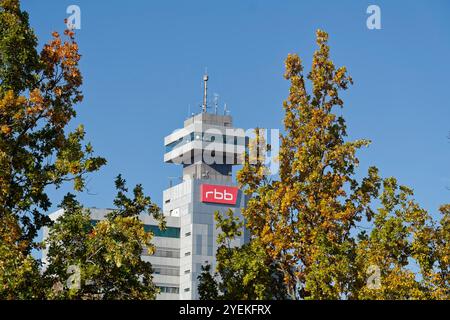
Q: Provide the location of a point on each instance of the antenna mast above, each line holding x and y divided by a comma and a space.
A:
216, 102
205, 93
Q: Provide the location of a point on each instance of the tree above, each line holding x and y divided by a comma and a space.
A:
439, 272
19, 272
207, 287
38, 93
107, 255
309, 220
407, 247
242, 273
304, 219
37, 98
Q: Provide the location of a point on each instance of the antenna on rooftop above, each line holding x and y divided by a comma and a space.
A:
216, 102
205, 91
225, 110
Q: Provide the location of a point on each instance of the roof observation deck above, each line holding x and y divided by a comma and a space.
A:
207, 146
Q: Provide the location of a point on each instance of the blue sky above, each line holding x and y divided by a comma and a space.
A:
143, 63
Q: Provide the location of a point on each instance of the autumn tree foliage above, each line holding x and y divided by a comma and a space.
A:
19, 272
38, 93
106, 256
410, 249
304, 219
38, 96
326, 231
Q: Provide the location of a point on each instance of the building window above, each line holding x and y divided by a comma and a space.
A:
164, 253
166, 270
198, 244
187, 271
187, 289
170, 232
187, 234
164, 289
187, 253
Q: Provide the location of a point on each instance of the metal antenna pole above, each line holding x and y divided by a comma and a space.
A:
205, 93
216, 102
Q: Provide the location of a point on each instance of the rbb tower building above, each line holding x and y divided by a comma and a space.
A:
205, 149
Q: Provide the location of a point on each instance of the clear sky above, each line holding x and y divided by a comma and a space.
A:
143, 63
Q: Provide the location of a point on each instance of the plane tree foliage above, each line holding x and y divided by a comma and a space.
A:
328, 233
40, 150
102, 259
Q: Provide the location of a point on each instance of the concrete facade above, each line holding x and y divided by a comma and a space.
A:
198, 233
192, 147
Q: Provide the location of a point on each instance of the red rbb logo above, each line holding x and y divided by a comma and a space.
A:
218, 194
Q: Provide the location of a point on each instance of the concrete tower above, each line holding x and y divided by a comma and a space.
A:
207, 148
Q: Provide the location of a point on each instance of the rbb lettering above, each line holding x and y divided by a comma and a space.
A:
218, 194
